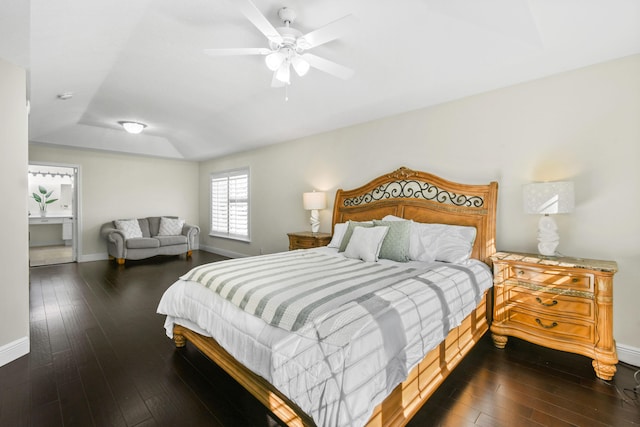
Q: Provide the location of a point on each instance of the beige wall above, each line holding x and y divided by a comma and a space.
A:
14, 252
116, 186
582, 125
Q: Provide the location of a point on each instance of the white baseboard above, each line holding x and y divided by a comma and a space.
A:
628, 354
14, 350
93, 257
104, 255
49, 243
222, 252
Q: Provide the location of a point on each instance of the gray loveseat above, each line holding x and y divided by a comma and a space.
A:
150, 244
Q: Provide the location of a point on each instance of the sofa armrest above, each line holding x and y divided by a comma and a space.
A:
115, 240
192, 232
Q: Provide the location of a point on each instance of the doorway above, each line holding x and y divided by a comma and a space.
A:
53, 213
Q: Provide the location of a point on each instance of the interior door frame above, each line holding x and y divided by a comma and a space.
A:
76, 245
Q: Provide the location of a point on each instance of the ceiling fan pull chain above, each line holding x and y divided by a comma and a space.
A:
286, 92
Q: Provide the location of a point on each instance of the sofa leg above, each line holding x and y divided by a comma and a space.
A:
120, 261
189, 253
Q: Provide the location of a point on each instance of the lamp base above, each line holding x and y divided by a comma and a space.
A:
548, 238
314, 221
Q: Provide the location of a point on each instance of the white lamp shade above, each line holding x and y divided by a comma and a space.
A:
548, 197
284, 72
314, 200
300, 65
274, 60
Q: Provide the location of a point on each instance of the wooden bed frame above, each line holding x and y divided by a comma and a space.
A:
412, 195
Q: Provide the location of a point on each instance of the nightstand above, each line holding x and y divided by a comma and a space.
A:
307, 240
558, 302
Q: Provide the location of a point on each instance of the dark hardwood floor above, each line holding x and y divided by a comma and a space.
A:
99, 357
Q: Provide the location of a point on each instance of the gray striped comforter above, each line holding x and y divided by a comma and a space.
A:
356, 328
291, 288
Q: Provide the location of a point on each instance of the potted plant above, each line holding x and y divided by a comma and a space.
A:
43, 199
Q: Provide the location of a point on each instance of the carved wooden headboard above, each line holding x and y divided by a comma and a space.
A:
424, 197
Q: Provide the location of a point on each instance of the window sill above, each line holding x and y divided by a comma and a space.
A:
235, 238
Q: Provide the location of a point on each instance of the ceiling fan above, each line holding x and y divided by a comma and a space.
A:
288, 46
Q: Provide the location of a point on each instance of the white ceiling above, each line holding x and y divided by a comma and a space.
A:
142, 60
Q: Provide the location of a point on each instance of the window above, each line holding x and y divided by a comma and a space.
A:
230, 204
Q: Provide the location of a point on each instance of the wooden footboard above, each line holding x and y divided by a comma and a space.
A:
260, 388
396, 410
407, 399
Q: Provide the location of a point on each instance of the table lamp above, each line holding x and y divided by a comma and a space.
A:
313, 201
547, 199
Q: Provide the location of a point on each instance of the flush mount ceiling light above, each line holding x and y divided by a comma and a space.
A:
132, 127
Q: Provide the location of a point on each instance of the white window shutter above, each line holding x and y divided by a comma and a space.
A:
230, 204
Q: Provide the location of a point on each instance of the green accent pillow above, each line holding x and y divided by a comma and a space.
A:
349, 232
396, 244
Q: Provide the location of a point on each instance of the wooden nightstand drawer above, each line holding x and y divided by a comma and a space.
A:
551, 303
552, 326
308, 240
301, 243
551, 277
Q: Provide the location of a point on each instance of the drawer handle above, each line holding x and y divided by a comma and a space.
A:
520, 272
552, 303
553, 325
575, 280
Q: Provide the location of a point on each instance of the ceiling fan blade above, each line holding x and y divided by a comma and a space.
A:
238, 51
256, 17
328, 67
328, 32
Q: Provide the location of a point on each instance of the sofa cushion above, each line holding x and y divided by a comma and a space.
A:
144, 226
142, 243
154, 225
129, 227
172, 240
170, 226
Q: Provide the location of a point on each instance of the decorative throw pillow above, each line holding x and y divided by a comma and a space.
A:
347, 234
365, 243
396, 243
129, 227
338, 233
419, 246
170, 226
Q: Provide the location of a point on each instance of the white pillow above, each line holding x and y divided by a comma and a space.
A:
129, 227
170, 226
347, 234
365, 243
455, 243
338, 233
443, 242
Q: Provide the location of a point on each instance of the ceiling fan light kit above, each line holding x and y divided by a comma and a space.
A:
287, 45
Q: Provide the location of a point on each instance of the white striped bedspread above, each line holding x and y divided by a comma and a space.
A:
339, 334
